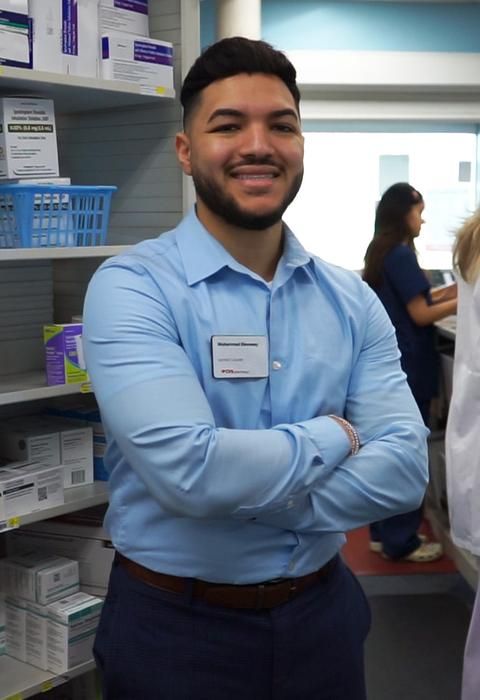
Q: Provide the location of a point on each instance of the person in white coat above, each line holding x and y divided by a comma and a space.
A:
463, 427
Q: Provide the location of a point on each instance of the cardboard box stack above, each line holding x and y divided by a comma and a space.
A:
106, 39
79, 535
27, 487
90, 416
52, 443
48, 621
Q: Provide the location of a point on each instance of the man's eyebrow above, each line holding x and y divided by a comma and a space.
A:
225, 112
230, 112
278, 113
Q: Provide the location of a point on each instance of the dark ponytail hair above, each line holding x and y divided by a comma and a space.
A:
390, 229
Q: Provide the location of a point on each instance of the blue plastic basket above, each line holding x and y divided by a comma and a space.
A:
39, 216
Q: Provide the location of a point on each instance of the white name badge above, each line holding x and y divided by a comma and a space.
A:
239, 356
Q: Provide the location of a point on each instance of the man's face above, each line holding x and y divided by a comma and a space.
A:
243, 147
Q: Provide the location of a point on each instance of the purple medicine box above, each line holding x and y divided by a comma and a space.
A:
64, 353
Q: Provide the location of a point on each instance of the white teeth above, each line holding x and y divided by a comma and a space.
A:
255, 177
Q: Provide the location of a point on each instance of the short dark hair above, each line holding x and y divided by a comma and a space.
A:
232, 56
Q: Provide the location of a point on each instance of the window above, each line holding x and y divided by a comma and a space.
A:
346, 173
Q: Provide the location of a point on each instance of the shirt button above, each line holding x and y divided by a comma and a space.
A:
291, 566
276, 364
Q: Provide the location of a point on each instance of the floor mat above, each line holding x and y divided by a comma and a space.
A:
415, 647
364, 562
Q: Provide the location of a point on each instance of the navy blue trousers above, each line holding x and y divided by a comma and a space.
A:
156, 645
398, 534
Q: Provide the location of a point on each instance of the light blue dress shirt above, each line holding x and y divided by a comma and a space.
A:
244, 480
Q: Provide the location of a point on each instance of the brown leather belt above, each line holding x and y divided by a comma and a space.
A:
258, 596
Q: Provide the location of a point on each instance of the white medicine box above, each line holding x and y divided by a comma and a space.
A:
28, 138
89, 545
140, 60
65, 36
14, 34
130, 16
51, 440
2, 624
40, 577
27, 488
72, 624
22, 440
16, 628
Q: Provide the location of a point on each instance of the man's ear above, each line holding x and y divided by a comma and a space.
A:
182, 146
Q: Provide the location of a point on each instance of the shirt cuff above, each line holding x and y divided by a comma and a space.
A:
330, 440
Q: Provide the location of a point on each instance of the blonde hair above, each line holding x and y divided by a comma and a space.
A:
466, 251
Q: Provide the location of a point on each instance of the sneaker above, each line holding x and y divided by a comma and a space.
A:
377, 547
428, 551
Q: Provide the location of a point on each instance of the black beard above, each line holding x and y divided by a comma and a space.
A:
226, 208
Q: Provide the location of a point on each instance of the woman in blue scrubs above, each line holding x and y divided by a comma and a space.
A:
393, 272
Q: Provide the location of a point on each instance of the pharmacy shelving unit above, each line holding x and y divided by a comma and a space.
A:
31, 384
108, 133
80, 93
20, 680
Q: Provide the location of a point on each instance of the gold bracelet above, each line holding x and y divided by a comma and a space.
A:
351, 433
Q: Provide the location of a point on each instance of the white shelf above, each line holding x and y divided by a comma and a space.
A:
31, 386
21, 680
76, 498
73, 93
53, 253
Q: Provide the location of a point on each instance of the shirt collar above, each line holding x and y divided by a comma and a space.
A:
203, 255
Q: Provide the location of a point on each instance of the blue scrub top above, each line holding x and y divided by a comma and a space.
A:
403, 279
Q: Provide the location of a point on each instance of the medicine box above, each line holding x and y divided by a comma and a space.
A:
72, 624
49, 440
90, 545
39, 577
91, 417
135, 59
16, 627
14, 34
64, 358
75, 444
2, 624
28, 138
123, 16
65, 37
23, 440
39, 181
76, 451
26, 488
36, 632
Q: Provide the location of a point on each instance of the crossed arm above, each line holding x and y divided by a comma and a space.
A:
296, 476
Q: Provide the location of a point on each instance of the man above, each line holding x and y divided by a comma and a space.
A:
255, 410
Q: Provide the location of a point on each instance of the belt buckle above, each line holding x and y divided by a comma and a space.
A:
261, 588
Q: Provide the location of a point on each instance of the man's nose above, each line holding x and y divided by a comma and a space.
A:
257, 140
